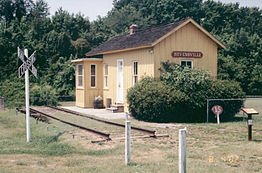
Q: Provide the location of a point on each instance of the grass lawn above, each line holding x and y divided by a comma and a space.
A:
210, 147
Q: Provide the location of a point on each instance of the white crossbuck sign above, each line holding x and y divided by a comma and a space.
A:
27, 63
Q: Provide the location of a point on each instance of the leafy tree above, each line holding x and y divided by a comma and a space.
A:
61, 76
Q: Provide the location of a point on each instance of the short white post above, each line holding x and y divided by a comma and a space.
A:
182, 151
218, 120
27, 101
127, 143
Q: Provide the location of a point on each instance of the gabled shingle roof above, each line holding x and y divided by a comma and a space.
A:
140, 38
144, 38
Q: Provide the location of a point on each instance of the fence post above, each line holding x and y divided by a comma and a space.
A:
207, 109
127, 143
182, 150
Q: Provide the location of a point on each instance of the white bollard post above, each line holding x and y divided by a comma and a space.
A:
27, 101
182, 151
218, 120
127, 143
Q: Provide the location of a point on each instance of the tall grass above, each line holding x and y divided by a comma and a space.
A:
42, 142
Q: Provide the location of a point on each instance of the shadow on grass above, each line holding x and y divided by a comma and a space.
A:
257, 140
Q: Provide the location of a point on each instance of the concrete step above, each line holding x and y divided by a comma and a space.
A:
116, 108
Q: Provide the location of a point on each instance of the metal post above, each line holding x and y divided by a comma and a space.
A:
218, 120
182, 151
27, 101
207, 109
127, 143
250, 122
126, 116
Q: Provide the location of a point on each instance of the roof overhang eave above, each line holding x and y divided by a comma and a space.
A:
86, 59
120, 50
221, 45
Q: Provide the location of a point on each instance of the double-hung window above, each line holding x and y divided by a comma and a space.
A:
105, 75
93, 75
80, 75
135, 74
186, 63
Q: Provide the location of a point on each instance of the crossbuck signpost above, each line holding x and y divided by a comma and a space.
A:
24, 69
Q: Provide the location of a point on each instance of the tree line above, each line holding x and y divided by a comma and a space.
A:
64, 36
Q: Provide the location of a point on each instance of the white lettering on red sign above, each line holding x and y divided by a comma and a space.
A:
217, 110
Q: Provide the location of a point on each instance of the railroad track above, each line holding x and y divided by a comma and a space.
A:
35, 115
151, 133
42, 114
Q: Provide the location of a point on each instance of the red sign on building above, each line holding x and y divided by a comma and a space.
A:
186, 54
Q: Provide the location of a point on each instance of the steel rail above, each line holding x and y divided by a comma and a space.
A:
36, 116
102, 134
151, 133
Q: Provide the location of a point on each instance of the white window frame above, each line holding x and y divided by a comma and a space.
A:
133, 69
105, 76
192, 65
82, 76
93, 75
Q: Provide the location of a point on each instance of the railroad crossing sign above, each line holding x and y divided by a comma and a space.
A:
24, 69
27, 63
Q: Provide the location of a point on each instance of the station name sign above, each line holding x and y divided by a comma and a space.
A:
186, 54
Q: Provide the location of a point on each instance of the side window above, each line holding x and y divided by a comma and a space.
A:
105, 75
93, 75
135, 74
186, 63
80, 75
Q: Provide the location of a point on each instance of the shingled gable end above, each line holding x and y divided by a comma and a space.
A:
123, 60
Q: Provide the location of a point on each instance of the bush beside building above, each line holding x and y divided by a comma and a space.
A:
180, 96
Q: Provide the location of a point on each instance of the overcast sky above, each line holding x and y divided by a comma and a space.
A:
94, 8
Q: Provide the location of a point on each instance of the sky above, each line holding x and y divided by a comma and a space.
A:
95, 8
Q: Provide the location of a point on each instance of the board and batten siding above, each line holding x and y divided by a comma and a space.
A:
145, 68
86, 95
187, 38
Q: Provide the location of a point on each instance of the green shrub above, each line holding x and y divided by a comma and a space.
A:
194, 83
13, 91
43, 95
222, 89
181, 96
151, 100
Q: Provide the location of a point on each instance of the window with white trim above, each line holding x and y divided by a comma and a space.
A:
186, 63
93, 75
80, 75
135, 74
105, 75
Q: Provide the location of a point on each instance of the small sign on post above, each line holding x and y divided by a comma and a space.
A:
217, 110
24, 69
249, 112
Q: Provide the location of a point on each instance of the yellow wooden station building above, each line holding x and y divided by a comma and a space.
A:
116, 65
